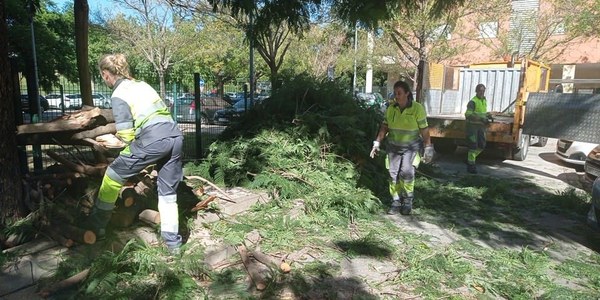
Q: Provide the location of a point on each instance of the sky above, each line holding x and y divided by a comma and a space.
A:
95, 5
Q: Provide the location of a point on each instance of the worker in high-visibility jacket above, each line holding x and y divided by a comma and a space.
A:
144, 123
477, 118
406, 128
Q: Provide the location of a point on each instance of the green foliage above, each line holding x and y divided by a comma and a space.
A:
310, 140
54, 40
583, 270
517, 274
138, 271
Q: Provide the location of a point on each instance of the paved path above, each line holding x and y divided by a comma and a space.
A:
541, 167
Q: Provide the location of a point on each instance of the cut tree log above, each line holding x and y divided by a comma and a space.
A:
80, 119
150, 217
94, 132
123, 216
56, 236
77, 234
97, 170
68, 130
64, 284
253, 269
264, 259
127, 196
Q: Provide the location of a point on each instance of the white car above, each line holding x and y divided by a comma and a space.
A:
573, 152
54, 101
101, 100
75, 100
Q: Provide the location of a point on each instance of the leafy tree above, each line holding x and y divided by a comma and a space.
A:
323, 46
421, 35
297, 13
219, 51
272, 47
543, 34
150, 31
54, 42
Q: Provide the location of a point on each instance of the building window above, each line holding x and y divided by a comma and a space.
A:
488, 30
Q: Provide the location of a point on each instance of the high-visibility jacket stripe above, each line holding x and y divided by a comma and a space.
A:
404, 125
145, 107
476, 107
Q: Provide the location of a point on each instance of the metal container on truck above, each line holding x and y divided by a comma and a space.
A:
447, 90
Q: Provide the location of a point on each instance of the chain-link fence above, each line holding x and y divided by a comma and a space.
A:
201, 110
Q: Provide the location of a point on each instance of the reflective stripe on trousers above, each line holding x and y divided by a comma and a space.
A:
402, 173
165, 153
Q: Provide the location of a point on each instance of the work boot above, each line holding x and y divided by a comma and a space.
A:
173, 242
395, 209
472, 169
406, 208
97, 221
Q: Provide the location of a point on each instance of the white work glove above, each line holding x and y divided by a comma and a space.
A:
375, 149
428, 154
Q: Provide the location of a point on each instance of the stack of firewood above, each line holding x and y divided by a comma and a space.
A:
61, 197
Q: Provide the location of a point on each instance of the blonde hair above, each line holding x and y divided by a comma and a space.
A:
116, 64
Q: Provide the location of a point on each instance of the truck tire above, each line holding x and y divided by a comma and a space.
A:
520, 151
444, 146
541, 141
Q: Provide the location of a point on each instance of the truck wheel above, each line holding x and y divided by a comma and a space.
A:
444, 146
520, 152
541, 142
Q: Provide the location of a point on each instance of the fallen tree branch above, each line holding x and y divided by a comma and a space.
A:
64, 284
204, 203
211, 184
252, 269
85, 169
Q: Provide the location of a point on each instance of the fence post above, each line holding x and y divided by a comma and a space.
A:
198, 131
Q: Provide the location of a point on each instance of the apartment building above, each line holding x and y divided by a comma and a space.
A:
553, 32
564, 34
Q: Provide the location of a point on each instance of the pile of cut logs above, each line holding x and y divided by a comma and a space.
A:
60, 198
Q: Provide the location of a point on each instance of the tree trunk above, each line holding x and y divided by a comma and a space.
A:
10, 186
81, 50
161, 81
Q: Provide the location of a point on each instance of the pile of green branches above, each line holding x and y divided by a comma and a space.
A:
310, 140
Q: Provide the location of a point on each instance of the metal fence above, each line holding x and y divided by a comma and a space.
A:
192, 101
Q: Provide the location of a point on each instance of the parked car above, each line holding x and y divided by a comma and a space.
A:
230, 114
101, 100
75, 100
233, 97
58, 101
592, 164
375, 100
185, 112
573, 152
25, 103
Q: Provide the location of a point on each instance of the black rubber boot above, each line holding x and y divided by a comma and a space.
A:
395, 209
98, 220
406, 208
172, 240
471, 169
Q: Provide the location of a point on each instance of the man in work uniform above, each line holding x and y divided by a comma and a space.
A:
406, 128
477, 119
144, 123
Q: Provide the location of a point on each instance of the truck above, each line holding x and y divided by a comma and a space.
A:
447, 90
